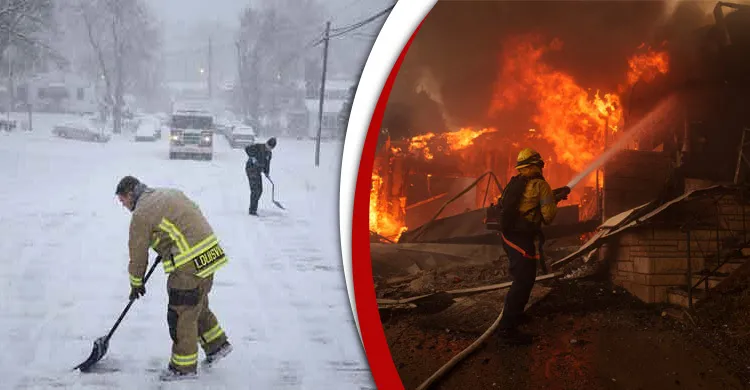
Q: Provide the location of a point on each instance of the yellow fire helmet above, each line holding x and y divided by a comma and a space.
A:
528, 157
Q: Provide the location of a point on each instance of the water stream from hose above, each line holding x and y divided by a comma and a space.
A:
646, 123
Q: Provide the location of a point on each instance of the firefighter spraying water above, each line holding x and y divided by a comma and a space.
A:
526, 204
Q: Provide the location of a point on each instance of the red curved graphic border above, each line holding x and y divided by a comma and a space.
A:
376, 347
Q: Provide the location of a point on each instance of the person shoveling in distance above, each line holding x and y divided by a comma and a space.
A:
527, 202
258, 161
167, 221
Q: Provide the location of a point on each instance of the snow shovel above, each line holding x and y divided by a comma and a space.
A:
273, 194
102, 343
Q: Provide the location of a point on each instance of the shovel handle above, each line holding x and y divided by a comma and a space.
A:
150, 271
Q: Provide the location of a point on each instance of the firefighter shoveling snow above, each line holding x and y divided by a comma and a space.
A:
65, 276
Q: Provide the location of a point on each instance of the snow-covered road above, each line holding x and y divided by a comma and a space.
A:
63, 282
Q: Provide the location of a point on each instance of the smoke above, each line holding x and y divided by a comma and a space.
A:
455, 57
427, 84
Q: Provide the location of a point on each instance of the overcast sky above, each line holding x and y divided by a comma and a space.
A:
189, 11
183, 18
227, 11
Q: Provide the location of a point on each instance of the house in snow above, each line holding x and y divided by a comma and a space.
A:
336, 95
58, 92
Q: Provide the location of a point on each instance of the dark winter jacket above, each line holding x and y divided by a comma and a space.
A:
258, 158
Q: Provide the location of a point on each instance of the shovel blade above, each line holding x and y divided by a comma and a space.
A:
278, 205
100, 349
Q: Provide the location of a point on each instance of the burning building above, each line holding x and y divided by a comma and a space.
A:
413, 178
678, 114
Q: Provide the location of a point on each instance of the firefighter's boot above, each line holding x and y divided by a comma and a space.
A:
514, 337
171, 374
219, 354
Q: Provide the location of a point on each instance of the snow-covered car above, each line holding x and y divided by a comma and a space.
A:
227, 132
224, 122
81, 131
149, 130
242, 136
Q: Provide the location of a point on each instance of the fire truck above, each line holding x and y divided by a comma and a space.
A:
191, 134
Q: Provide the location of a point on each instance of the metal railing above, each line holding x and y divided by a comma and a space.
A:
723, 255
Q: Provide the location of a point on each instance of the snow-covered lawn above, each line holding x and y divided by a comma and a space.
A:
63, 282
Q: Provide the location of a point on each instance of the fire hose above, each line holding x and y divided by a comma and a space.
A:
466, 352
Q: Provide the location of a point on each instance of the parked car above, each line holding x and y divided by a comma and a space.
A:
7, 125
224, 122
227, 130
242, 136
149, 130
81, 131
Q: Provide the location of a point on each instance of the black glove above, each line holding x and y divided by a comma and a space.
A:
137, 292
561, 193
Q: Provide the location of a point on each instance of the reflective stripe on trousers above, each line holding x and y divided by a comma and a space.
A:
184, 360
211, 335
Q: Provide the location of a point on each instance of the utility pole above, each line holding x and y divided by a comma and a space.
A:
322, 92
210, 57
10, 79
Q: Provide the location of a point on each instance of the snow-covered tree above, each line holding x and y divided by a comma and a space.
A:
273, 44
23, 23
122, 48
26, 28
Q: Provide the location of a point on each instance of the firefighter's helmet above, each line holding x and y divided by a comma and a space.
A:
529, 157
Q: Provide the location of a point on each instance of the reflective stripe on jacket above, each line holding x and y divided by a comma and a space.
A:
170, 223
537, 197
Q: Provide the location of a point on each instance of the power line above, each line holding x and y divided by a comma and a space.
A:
337, 32
340, 31
364, 35
363, 22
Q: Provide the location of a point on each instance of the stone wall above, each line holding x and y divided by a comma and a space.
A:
648, 260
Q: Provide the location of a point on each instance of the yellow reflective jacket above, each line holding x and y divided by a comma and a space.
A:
538, 195
173, 225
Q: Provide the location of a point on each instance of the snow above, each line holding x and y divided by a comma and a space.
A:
282, 298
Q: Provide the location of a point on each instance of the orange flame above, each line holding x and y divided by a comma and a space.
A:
465, 137
419, 143
646, 66
456, 140
568, 116
381, 221
571, 118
